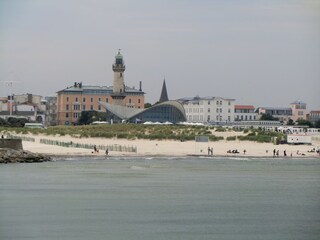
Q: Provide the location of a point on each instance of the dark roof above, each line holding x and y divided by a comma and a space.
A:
97, 90
164, 93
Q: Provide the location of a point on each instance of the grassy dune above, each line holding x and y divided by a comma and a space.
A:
153, 132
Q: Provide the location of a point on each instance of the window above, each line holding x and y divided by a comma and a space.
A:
83, 107
75, 115
208, 110
76, 107
91, 107
84, 99
107, 99
76, 99
91, 100
67, 107
99, 99
129, 100
217, 110
208, 102
67, 115
229, 110
217, 118
229, 118
217, 102
67, 99
139, 100
220, 102
221, 110
229, 103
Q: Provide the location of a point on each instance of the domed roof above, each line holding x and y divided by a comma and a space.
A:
119, 55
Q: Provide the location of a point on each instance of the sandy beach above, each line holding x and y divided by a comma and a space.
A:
167, 147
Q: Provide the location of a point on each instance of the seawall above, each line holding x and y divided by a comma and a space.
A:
15, 144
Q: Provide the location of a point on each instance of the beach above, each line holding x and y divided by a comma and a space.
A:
167, 147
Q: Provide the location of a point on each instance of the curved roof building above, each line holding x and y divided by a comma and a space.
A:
169, 111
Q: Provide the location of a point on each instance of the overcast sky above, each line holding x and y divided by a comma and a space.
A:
263, 52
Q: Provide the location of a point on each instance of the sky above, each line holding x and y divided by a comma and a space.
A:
262, 52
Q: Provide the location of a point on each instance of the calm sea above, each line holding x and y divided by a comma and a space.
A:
161, 198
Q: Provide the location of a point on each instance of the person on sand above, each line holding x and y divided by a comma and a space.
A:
277, 153
107, 152
244, 152
274, 152
285, 153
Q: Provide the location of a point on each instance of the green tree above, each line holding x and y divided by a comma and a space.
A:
302, 122
17, 122
147, 105
3, 123
87, 117
290, 122
317, 124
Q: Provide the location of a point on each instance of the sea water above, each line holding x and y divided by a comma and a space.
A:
161, 198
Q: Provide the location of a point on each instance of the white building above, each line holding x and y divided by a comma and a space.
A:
245, 113
208, 109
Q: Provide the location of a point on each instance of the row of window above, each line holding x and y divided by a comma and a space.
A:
197, 110
196, 118
77, 107
75, 115
245, 118
244, 111
99, 100
219, 102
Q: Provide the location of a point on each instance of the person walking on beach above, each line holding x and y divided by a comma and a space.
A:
107, 152
285, 153
277, 153
274, 152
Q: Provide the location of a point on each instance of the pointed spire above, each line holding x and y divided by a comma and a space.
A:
164, 94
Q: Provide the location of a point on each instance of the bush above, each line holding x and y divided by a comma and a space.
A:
232, 138
215, 138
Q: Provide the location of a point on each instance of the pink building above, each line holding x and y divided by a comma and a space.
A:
299, 110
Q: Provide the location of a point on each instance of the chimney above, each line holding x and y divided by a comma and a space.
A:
140, 86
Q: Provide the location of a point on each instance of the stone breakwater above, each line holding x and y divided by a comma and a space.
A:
8, 155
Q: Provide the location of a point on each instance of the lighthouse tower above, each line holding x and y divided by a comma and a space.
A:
118, 84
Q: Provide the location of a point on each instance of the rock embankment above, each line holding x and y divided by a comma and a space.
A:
8, 155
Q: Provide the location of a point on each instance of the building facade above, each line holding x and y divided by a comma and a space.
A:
29, 106
245, 113
282, 114
77, 98
208, 109
299, 110
314, 116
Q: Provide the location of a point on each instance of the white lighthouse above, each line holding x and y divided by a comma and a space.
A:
119, 89
118, 68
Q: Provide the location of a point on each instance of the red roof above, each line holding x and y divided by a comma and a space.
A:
244, 107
